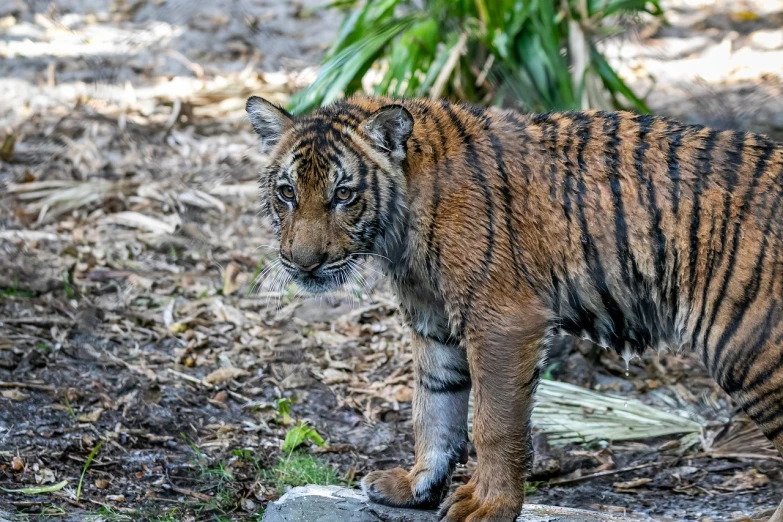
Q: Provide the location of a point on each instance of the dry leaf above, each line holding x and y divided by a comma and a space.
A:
332, 376
744, 481
140, 221
221, 375
227, 314
91, 417
14, 395
44, 476
230, 284
403, 394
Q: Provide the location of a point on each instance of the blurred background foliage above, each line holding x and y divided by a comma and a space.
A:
536, 55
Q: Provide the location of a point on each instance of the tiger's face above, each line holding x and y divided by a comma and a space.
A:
330, 187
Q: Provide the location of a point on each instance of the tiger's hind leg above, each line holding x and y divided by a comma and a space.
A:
751, 372
778, 515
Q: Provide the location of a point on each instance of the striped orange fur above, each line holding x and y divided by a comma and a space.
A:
500, 230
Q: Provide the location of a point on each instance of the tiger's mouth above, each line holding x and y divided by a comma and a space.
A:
326, 278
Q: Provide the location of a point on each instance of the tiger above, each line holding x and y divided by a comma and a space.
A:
499, 230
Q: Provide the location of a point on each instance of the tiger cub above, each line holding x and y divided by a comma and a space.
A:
500, 230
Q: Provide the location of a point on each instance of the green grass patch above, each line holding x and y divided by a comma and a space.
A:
299, 469
15, 291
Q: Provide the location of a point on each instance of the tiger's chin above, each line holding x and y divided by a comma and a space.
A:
317, 287
317, 284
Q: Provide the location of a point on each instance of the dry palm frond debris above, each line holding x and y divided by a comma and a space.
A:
568, 413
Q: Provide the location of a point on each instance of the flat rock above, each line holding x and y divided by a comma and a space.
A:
336, 504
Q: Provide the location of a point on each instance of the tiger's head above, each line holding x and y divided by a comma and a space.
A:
333, 184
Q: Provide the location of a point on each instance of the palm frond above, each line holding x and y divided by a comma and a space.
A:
442, 48
569, 413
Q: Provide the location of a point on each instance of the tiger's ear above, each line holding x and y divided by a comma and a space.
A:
268, 120
388, 129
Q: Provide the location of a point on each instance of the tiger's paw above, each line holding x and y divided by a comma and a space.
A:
465, 505
398, 488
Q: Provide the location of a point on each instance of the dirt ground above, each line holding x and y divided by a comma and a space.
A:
140, 363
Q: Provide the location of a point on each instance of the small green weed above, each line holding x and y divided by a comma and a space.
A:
69, 407
283, 411
219, 472
70, 293
298, 435
532, 487
108, 514
549, 371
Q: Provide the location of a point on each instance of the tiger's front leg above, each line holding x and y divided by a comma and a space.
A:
504, 361
440, 424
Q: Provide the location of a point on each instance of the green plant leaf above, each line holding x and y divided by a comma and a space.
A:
347, 66
614, 83
87, 465
298, 435
408, 43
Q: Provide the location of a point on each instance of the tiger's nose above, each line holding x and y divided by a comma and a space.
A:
308, 261
309, 268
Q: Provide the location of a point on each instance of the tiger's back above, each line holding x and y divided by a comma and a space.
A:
500, 230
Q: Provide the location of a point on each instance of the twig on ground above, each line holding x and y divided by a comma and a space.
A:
28, 385
36, 320
191, 493
190, 378
602, 474
750, 456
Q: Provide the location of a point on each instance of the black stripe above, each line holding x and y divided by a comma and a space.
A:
738, 222
507, 208
446, 340
611, 129
705, 169
645, 122
586, 319
770, 413
533, 381
375, 223
748, 363
474, 163
659, 248
549, 139
674, 132
391, 203
733, 377
632, 278
752, 288
590, 252
434, 384
432, 258
730, 177
774, 434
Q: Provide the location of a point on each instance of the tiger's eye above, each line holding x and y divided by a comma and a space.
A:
287, 192
343, 194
